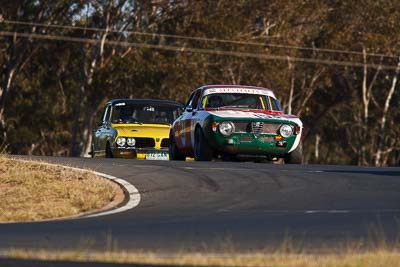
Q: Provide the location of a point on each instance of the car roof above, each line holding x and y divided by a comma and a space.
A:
232, 86
145, 101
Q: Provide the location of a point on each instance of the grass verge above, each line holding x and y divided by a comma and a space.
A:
375, 251
380, 257
34, 191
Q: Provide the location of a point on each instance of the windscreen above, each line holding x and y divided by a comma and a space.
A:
128, 113
238, 100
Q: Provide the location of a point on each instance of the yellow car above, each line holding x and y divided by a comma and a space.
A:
135, 128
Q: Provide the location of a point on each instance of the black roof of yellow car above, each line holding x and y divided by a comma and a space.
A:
145, 101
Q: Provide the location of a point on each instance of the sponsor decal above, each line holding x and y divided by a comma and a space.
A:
252, 91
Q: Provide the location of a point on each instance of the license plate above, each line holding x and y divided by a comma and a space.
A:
157, 156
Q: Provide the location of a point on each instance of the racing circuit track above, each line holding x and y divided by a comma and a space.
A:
214, 205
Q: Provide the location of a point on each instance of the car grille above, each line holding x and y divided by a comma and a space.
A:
145, 142
165, 142
257, 127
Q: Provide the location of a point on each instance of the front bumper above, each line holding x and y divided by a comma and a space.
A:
252, 144
141, 153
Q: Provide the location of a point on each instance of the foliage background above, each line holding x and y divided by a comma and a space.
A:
52, 89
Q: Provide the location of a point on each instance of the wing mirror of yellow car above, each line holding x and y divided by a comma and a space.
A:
101, 123
189, 108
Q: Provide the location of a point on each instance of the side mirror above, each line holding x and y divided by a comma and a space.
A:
189, 108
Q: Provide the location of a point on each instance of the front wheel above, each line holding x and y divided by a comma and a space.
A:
295, 157
173, 150
108, 151
91, 153
202, 151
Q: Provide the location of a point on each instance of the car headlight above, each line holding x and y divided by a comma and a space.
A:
286, 130
226, 128
131, 141
121, 141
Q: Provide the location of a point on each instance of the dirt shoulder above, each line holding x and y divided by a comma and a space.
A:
36, 191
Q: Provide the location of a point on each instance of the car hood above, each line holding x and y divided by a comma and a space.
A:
239, 114
143, 130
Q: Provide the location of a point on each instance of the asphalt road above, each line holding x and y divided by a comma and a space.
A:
220, 206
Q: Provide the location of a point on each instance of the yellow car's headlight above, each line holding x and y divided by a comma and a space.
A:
131, 141
121, 141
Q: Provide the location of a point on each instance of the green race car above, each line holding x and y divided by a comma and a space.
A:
235, 122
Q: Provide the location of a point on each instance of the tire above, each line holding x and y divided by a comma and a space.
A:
202, 151
108, 151
91, 153
173, 150
295, 157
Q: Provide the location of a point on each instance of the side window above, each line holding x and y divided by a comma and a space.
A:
190, 100
196, 98
275, 104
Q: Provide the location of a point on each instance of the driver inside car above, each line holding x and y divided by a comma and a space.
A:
214, 101
125, 116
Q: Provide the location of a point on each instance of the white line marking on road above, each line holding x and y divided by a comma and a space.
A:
313, 211
219, 169
133, 195
327, 211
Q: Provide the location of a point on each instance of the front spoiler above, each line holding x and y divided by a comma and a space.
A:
249, 144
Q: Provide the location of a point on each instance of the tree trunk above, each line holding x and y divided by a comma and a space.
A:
309, 90
96, 55
379, 146
366, 98
316, 149
75, 146
292, 80
86, 136
3, 95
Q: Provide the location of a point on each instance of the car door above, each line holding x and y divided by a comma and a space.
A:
187, 121
179, 125
100, 135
